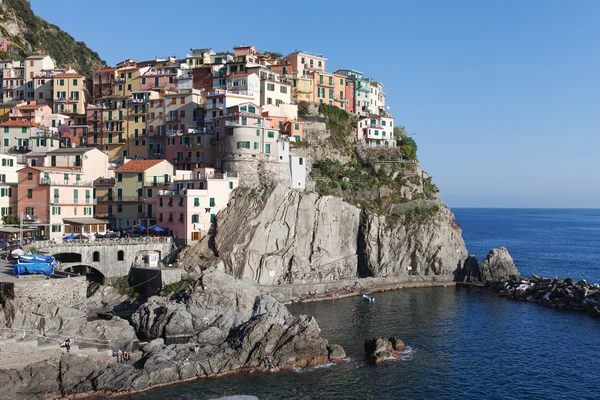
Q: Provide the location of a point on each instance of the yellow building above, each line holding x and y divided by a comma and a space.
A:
127, 81
136, 183
69, 96
302, 89
114, 126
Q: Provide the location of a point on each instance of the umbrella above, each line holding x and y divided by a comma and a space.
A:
140, 227
157, 228
69, 237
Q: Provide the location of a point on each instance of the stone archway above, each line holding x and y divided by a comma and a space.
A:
91, 273
68, 257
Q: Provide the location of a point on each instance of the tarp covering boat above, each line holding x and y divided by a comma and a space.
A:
33, 268
36, 258
368, 298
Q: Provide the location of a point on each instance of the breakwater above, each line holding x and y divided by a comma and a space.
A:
565, 294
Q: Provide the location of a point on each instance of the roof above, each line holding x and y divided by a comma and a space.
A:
67, 76
138, 165
31, 106
71, 150
85, 221
106, 70
104, 181
25, 124
64, 170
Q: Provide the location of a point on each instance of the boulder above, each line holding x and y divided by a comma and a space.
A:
498, 266
379, 349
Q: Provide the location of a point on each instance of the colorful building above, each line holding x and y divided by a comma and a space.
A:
54, 195
21, 137
376, 130
303, 62
8, 185
136, 183
188, 209
69, 96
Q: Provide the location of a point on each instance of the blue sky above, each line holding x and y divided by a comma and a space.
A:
504, 96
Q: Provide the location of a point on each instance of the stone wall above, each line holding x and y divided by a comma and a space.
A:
62, 292
252, 167
109, 264
152, 280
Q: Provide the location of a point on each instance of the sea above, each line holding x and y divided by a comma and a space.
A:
461, 343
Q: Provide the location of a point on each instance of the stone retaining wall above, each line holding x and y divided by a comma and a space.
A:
63, 292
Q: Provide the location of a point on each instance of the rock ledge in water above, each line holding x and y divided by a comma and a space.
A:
379, 349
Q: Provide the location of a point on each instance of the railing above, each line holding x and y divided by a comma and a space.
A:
136, 199
105, 198
197, 159
174, 132
119, 80
138, 101
49, 182
172, 118
78, 201
146, 215
158, 183
235, 123
95, 242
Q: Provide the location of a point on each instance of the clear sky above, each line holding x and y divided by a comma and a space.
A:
504, 96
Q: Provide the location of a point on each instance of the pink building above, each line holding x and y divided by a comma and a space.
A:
189, 209
31, 111
4, 44
303, 62
60, 199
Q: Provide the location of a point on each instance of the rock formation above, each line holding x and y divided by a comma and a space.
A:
565, 293
283, 235
379, 349
228, 325
498, 266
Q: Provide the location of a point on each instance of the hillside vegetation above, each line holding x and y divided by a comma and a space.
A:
31, 34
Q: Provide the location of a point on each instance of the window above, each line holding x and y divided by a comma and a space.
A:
230, 185
6, 142
140, 176
29, 193
23, 130
61, 82
29, 176
283, 89
212, 202
119, 177
196, 202
96, 256
119, 208
212, 218
6, 129
255, 145
270, 87
258, 132
271, 134
120, 255
195, 218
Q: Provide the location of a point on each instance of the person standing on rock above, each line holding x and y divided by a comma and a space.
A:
268, 362
68, 345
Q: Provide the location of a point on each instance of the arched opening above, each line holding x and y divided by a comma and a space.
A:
91, 273
120, 255
96, 256
68, 257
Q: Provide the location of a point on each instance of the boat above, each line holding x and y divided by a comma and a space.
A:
368, 298
33, 268
35, 258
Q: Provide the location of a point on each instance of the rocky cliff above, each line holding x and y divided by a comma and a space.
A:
30, 33
282, 235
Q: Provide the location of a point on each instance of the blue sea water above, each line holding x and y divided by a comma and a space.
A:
462, 343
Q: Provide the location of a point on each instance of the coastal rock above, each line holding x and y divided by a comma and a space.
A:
379, 349
287, 236
469, 272
497, 266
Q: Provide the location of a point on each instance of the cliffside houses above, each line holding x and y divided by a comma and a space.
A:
164, 142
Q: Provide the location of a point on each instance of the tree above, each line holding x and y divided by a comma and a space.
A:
12, 219
273, 54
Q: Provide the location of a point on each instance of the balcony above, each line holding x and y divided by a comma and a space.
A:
119, 80
177, 132
197, 159
129, 199
72, 201
50, 182
156, 184
138, 101
172, 118
21, 149
236, 123
146, 215
105, 199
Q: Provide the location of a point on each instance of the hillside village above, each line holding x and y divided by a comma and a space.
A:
158, 146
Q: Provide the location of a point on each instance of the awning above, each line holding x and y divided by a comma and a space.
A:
85, 221
11, 229
157, 228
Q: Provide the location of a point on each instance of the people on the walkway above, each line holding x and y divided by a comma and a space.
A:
67, 345
268, 362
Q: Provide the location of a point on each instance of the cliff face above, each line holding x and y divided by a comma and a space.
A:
282, 235
30, 33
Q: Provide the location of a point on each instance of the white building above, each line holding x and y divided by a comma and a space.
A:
8, 185
376, 131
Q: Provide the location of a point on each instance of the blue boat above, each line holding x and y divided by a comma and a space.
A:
369, 298
33, 268
36, 258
